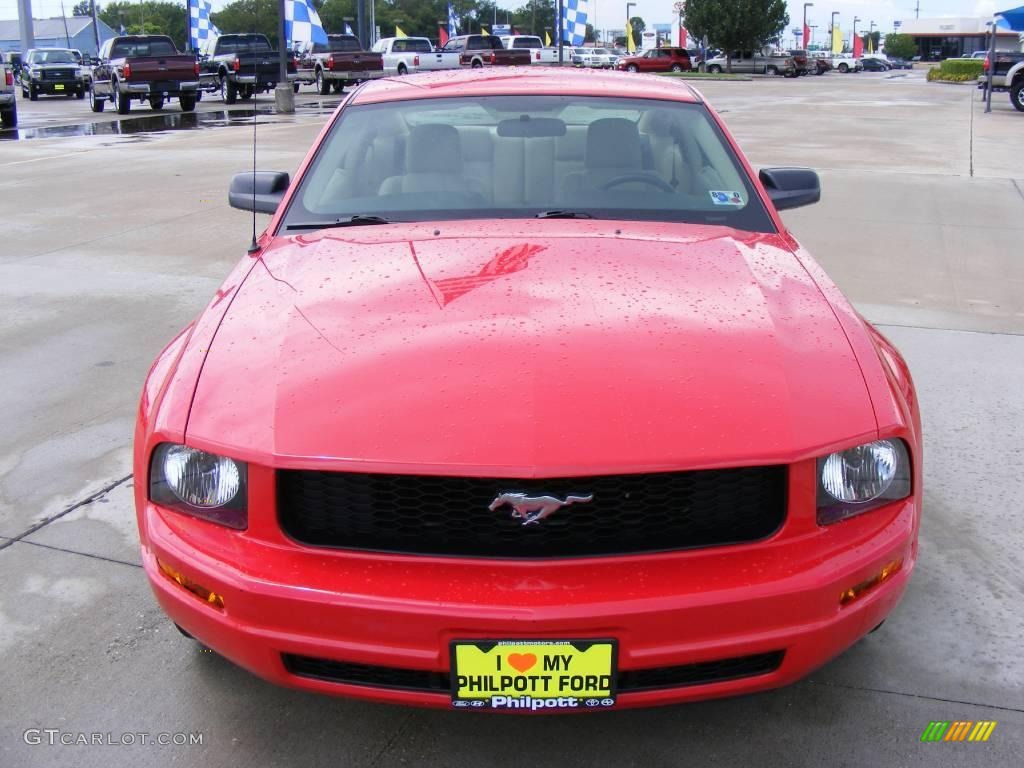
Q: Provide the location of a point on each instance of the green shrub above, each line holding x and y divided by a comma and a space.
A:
970, 67
936, 73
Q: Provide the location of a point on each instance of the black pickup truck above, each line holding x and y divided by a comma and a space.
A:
237, 66
339, 62
1008, 75
144, 67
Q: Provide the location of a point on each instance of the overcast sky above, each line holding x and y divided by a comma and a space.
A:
609, 13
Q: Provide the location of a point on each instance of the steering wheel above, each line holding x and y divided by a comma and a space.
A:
643, 178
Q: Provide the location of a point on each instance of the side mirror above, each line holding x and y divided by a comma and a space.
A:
791, 187
261, 192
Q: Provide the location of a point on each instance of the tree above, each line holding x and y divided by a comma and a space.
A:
589, 37
83, 8
152, 17
259, 16
737, 25
875, 38
900, 46
638, 28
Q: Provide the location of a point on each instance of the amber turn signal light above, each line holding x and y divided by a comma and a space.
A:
208, 597
856, 592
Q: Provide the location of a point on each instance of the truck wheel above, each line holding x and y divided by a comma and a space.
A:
156, 103
228, 90
677, 68
1017, 95
844, 68
402, 70
295, 87
33, 94
80, 93
96, 104
339, 86
187, 102
323, 86
122, 102
9, 119
715, 69
478, 65
773, 71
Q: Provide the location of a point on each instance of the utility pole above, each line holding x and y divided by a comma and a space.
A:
28, 37
917, 10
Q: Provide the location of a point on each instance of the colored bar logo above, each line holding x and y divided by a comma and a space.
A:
958, 730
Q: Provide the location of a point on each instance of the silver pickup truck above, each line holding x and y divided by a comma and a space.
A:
8, 104
755, 63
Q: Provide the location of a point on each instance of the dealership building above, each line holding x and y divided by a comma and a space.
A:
71, 32
949, 38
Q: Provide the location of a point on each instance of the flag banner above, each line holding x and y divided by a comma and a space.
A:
630, 44
348, 30
201, 30
453, 22
484, 32
574, 22
547, 39
837, 39
442, 33
399, 32
858, 47
302, 23
807, 36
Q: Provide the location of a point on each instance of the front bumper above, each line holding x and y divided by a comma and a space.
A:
401, 612
57, 86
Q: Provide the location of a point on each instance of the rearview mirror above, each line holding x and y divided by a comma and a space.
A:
261, 192
531, 127
791, 187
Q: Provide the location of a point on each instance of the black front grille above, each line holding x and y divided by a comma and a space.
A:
58, 74
655, 678
451, 516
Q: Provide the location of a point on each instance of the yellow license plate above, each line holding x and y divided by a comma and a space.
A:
58, 87
533, 675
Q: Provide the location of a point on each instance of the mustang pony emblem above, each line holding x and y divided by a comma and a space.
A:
533, 509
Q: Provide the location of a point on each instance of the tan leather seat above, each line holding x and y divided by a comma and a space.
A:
433, 163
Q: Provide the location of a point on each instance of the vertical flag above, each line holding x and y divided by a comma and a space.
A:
399, 32
871, 44
442, 32
201, 30
302, 23
858, 46
453, 22
574, 22
837, 39
630, 45
807, 36
547, 39
484, 32
348, 30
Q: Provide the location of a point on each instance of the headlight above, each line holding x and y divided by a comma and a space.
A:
199, 483
860, 479
78, 73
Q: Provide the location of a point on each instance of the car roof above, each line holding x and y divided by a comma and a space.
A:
521, 81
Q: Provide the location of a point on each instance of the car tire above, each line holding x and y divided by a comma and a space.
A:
323, 85
714, 69
96, 104
773, 71
156, 103
228, 90
33, 94
295, 87
187, 103
677, 68
477, 65
1017, 95
402, 70
80, 93
122, 102
9, 119
844, 68
633, 68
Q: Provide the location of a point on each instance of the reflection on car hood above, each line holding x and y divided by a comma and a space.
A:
528, 348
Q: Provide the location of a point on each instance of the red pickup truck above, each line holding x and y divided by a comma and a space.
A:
144, 67
339, 62
486, 50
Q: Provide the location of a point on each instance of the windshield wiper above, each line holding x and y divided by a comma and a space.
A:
563, 215
359, 220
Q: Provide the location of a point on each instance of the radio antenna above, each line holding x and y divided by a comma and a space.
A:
253, 246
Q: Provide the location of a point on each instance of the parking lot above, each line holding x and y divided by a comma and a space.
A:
116, 232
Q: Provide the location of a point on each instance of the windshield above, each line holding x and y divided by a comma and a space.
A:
600, 51
129, 48
53, 57
243, 45
527, 42
517, 156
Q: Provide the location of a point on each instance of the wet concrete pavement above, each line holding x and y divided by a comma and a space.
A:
919, 224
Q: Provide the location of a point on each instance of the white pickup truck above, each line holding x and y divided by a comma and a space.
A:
405, 55
8, 105
538, 53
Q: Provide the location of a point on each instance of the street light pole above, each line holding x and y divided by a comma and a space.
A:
832, 33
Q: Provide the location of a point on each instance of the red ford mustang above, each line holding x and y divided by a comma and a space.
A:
526, 400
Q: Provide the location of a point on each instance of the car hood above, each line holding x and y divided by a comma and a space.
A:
554, 348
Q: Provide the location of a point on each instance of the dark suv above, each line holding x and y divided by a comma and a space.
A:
52, 70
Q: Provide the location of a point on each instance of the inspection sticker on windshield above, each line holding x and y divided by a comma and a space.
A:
725, 198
